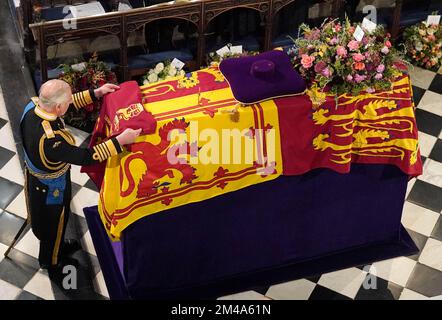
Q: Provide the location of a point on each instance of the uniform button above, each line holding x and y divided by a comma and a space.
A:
44, 190
37, 188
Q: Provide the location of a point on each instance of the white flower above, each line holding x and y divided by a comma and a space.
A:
152, 78
79, 66
159, 67
145, 82
151, 71
182, 73
418, 46
172, 72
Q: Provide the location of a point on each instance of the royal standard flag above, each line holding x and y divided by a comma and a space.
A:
205, 145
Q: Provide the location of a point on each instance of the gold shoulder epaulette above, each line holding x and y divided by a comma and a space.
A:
47, 129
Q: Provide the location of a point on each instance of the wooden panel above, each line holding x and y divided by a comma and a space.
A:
213, 8
139, 17
200, 13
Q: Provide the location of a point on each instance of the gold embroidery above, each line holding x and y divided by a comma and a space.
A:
49, 175
99, 152
58, 239
35, 100
87, 97
67, 136
47, 129
105, 150
132, 111
75, 101
28, 217
83, 101
45, 161
56, 144
111, 147
41, 113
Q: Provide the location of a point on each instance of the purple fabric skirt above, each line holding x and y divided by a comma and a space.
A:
285, 229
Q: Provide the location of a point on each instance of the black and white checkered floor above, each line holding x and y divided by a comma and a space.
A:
414, 277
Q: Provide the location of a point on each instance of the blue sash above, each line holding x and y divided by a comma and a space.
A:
56, 186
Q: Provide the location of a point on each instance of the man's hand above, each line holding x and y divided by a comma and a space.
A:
105, 89
128, 136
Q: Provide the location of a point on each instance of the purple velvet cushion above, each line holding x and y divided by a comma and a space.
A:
262, 77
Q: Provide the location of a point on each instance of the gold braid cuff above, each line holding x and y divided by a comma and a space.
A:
104, 151
81, 99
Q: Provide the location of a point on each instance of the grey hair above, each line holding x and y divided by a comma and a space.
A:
53, 93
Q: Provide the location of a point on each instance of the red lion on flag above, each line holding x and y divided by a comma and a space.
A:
155, 156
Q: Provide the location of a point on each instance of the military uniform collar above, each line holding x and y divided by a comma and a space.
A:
42, 113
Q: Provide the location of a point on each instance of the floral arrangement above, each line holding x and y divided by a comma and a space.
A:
82, 76
162, 71
424, 45
331, 57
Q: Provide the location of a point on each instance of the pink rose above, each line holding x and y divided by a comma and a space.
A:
341, 51
314, 34
349, 78
321, 65
333, 41
359, 78
385, 50
359, 66
307, 61
380, 68
370, 90
388, 44
358, 57
353, 45
378, 76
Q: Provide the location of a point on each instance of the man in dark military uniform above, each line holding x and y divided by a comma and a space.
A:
49, 150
